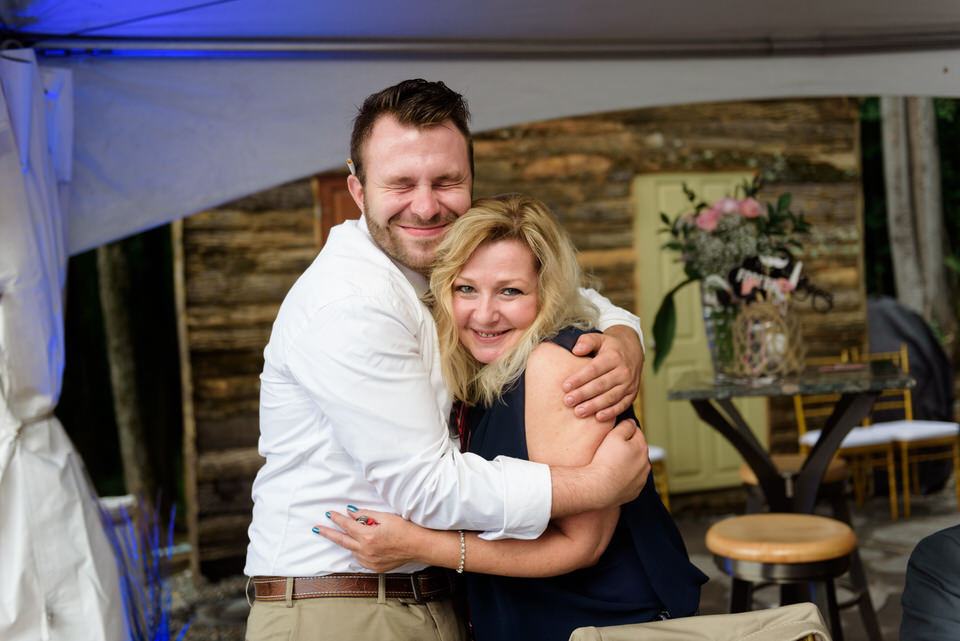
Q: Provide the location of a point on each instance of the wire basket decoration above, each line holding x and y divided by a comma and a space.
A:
767, 343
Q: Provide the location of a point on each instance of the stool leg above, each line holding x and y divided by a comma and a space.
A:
858, 580
741, 595
827, 598
858, 577
791, 593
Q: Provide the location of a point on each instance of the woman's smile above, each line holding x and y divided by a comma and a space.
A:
495, 298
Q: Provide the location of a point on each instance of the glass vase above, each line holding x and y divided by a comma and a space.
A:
718, 325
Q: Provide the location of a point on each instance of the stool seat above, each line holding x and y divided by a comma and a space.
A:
781, 538
837, 470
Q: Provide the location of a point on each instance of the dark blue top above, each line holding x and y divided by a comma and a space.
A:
643, 574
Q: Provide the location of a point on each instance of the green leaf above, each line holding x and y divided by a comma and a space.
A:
666, 221
689, 193
665, 326
664, 329
783, 203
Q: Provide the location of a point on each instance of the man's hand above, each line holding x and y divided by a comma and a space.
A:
622, 463
607, 385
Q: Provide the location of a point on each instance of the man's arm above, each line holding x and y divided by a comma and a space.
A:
361, 363
608, 385
616, 475
553, 435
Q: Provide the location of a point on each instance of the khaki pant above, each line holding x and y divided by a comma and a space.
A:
347, 618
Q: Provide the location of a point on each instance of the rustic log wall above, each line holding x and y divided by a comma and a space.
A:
239, 261
237, 264
584, 167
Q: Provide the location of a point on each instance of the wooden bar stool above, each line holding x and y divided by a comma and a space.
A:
833, 490
793, 550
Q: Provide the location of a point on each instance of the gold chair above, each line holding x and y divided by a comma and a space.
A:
865, 448
917, 440
788, 465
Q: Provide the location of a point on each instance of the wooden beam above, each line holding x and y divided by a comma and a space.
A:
186, 391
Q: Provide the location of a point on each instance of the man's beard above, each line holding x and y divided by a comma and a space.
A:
415, 254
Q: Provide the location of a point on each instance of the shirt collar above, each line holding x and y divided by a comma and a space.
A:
416, 279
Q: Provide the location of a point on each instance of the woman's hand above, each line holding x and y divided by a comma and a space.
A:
390, 543
607, 385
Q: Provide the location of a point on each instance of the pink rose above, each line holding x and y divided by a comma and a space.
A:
707, 220
750, 208
784, 285
727, 205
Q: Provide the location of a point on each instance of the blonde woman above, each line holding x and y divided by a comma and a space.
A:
505, 295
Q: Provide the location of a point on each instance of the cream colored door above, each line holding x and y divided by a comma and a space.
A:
698, 458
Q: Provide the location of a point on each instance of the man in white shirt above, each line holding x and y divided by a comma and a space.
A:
353, 410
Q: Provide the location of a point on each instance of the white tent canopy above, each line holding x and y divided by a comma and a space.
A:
191, 104
179, 105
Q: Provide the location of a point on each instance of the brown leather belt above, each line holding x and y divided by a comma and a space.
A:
432, 583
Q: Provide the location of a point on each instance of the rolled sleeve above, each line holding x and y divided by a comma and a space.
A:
524, 486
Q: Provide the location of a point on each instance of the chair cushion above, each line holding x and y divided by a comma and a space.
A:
857, 437
920, 430
656, 453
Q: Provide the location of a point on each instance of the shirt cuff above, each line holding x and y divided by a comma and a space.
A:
527, 499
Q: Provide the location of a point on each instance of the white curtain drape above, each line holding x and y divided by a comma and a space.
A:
58, 578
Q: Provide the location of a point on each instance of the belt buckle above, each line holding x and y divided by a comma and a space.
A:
417, 594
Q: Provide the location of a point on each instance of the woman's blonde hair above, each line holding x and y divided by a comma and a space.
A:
559, 302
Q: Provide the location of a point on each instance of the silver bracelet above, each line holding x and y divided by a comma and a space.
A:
463, 552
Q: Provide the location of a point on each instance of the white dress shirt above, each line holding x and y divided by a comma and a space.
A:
353, 411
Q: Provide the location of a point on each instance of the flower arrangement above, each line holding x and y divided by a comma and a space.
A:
739, 249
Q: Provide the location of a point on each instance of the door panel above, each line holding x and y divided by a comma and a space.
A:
333, 204
697, 456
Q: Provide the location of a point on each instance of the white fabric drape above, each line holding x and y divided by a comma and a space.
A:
159, 138
58, 578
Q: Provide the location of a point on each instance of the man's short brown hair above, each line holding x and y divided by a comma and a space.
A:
414, 103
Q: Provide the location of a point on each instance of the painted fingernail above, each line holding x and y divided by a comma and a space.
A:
316, 530
351, 508
328, 514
